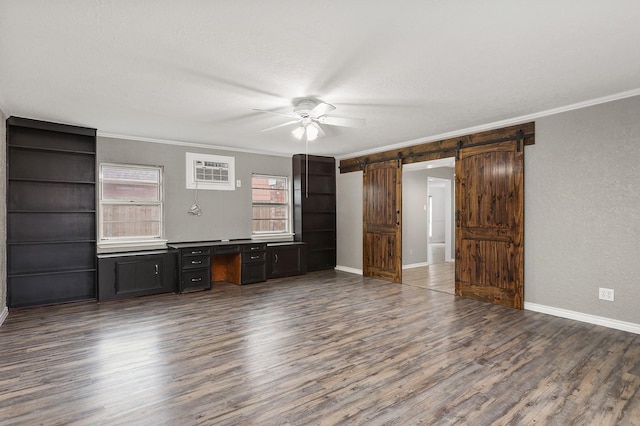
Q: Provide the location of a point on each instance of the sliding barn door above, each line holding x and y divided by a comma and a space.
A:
382, 231
490, 223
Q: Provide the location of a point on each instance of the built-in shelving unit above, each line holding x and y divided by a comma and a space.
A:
51, 212
314, 208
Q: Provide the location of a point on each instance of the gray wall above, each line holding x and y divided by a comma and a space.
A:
3, 212
225, 214
582, 211
438, 200
349, 220
414, 216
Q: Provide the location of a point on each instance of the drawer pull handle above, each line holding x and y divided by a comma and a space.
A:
196, 252
255, 257
196, 262
255, 248
195, 280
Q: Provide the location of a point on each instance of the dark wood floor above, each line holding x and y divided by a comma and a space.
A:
325, 348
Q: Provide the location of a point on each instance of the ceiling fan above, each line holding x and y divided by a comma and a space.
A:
310, 114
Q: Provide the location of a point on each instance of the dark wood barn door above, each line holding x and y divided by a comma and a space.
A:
490, 223
382, 229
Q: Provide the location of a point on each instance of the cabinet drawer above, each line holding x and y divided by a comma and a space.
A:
196, 251
254, 247
254, 273
196, 279
196, 262
227, 249
256, 257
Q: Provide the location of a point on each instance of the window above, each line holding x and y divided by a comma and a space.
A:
270, 198
130, 204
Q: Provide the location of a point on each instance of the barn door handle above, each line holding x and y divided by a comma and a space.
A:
458, 218
397, 214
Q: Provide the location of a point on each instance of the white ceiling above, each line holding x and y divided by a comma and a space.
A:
193, 71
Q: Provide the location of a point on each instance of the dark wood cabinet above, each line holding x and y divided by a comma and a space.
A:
238, 262
314, 208
286, 259
194, 265
51, 213
254, 263
124, 275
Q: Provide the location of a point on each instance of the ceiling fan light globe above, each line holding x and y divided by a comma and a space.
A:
312, 133
298, 132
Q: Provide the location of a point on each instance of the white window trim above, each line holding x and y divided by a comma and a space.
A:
275, 236
106, 245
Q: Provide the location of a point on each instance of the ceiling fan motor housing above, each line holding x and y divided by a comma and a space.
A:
305, 106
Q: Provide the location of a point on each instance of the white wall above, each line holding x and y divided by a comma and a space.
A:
582, 211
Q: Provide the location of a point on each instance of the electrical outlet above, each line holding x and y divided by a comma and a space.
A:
605, 294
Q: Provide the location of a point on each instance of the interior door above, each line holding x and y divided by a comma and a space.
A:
490, 223
382, 221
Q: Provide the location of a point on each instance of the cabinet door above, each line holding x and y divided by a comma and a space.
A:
138, 275
287, 261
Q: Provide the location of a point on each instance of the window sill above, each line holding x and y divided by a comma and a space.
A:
119, 246
273, 237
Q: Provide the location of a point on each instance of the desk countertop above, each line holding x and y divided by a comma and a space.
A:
215, 243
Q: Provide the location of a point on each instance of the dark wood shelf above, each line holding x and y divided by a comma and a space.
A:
22, 243
56, 150
79, 182
51, 213
314, 208
52, 272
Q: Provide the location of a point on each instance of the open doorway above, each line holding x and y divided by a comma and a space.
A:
428, 233
439, 231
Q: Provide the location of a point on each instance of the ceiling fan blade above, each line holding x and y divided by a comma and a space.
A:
321, 109
280, 125
321, 132
276, 113
342, 121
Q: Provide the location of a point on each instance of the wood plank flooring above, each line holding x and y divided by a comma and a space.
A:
437, 276
325, 348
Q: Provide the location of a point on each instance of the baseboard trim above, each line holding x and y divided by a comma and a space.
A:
3, 315
348, 269
579, 316
415, 265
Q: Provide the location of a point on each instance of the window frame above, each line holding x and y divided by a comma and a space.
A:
289, 208
130, 242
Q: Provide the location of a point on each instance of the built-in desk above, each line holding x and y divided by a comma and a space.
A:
238, 262
199, 264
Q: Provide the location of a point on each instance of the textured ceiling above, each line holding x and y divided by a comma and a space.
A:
193, 71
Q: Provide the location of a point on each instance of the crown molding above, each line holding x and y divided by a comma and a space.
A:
189, 144
497, 124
